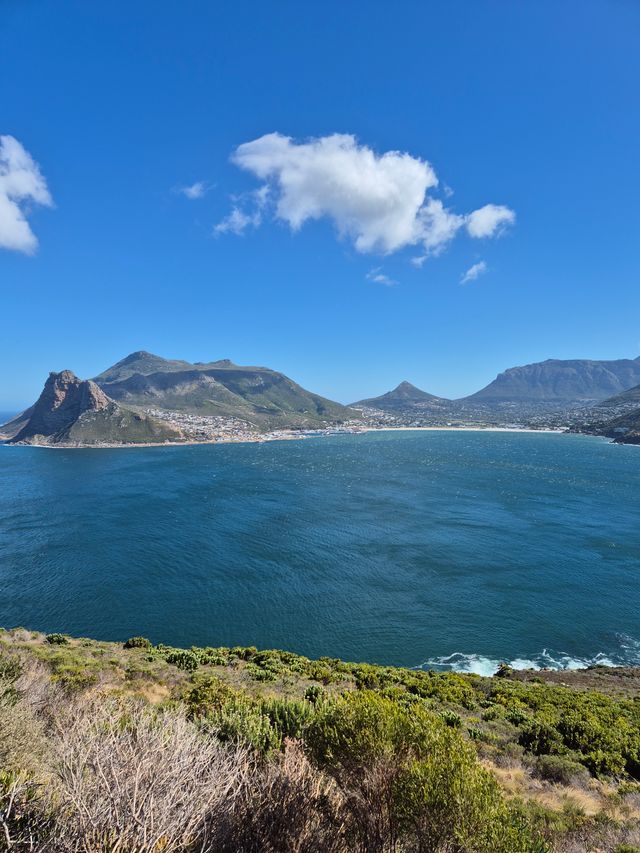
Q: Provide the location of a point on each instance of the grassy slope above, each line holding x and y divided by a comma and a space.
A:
404, 396
568, 744
114, 425
630, 396
263, 397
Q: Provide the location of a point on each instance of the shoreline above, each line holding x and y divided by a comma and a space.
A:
445, 664
263, 439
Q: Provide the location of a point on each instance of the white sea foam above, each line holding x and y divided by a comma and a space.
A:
627, 653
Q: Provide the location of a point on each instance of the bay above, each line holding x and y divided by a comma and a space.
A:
442, 549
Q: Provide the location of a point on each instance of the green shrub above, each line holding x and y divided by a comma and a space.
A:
451, 719
182, 659
259, 673
57, 639
540, 738
213, 656
241, 720
407, 764
138, 643
314, 693
450, 688
316, 671
10, 668
74, 677
557, 768
207, 694
493, 712
516, 716
243, 652
447, 801
288, 717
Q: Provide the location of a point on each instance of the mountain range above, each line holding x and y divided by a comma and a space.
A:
133, 401
553, 382
567, 381
147, 398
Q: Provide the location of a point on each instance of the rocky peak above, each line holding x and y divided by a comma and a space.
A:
64, 398
65, 390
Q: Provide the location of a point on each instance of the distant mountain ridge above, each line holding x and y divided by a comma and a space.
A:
150, 396
569, 380
76, 412
402, 396
260, 396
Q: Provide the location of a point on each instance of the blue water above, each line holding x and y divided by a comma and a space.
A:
448, 549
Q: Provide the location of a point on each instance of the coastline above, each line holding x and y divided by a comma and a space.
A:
262, 439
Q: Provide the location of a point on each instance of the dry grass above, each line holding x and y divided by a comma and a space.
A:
517, 781
134, 780
289, 806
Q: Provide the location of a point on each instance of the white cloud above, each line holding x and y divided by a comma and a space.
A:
21, 186
247, 212
490, 220
193, 191
473, 272
237, 222
379, 277
378, 201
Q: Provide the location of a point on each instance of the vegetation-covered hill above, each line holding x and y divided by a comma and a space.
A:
624, 429
632, 396
404, 396
136, 747
262, 397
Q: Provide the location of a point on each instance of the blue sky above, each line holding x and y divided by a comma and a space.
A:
530, 106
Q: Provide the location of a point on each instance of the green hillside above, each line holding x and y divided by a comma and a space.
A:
141, 362
104, 745
627, 397
263, 397
625, 429
116, 425
403, 396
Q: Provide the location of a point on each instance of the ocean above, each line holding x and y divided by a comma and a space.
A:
451, 550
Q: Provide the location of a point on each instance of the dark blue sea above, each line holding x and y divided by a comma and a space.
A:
444, 549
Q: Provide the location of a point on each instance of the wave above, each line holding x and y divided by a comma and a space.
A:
627, 653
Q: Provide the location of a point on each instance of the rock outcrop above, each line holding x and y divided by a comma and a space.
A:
77, 412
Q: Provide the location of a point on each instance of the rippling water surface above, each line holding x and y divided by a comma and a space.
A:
448, 549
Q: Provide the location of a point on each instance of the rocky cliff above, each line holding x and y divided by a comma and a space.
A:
74, 412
